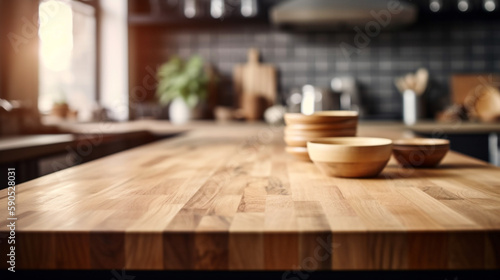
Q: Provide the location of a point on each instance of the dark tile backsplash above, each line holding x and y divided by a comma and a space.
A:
315, 58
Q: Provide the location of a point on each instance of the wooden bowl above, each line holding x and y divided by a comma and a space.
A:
420, 152
299, 153
323, 117
301, 140
324, 126
350, 157
348, 131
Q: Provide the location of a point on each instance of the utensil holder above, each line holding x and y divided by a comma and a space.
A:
412, 107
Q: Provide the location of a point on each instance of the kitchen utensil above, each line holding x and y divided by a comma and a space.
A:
298, 152
323, 117
351, 157
255, 78
400, 85
410, 81
421, 80
420, 152
412, 86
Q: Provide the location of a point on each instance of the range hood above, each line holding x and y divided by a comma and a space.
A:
335, 14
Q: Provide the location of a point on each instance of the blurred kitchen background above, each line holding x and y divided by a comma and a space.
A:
64, 63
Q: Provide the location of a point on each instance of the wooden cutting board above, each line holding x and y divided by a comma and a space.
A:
255, 78
463, 84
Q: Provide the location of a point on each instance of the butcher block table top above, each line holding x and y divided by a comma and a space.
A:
230, 198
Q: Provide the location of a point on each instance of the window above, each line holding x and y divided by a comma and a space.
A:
68, 56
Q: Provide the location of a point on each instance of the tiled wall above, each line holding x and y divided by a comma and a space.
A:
314, 58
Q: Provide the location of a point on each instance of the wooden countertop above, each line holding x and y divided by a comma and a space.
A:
20, 147
27, 147
229, 197
162, 127
458, 127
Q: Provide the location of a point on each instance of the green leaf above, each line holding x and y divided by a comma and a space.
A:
187, 80
165, 99
170, 68
192, 101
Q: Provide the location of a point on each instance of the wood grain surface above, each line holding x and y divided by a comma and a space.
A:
230, 198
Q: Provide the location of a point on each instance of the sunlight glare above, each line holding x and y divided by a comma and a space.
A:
56, 35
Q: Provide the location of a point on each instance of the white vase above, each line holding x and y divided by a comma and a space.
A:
180, 112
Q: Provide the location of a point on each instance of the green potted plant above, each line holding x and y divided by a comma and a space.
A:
183, 84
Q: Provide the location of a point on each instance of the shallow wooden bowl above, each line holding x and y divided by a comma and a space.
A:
323, 117
420, 152
301, 140
351, 157
299, 153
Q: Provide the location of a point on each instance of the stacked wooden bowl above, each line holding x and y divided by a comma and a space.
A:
303, 128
